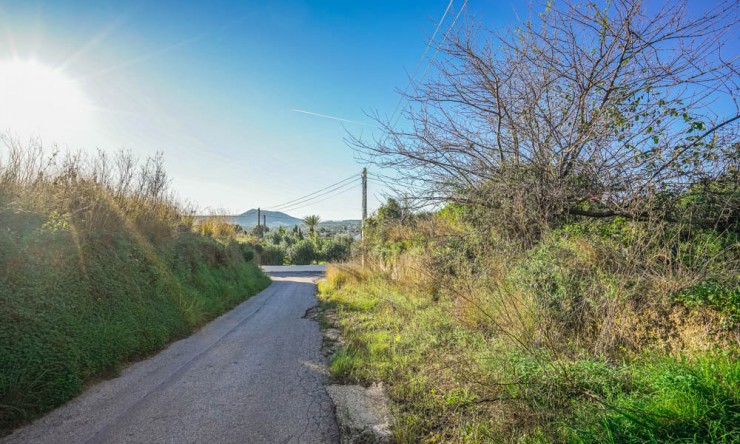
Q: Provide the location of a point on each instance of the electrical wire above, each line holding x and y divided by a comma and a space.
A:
325, 199
379, 180
318, 196
423, 56
431, 61
306, 197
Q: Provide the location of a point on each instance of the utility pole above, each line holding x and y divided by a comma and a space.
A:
405, 209
258, 217
364, 213
364, 196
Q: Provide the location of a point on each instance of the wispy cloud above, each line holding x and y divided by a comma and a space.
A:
326, 116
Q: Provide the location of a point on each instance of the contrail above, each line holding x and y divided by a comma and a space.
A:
327, 117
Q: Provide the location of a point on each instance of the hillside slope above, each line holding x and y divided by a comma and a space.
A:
275, 219
93, 276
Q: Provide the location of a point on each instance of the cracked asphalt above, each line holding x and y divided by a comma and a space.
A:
254, 375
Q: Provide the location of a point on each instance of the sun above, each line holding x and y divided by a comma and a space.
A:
36, 100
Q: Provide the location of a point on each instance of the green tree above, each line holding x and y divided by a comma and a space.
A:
391, 210
302, 253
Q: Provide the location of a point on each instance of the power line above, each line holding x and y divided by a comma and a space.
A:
381, 180
309, 199
377, 182
423, 56
429, 65
394, 119
296, 201
323, 200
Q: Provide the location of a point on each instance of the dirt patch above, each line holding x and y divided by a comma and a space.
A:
332, 341
332, 336
313, 313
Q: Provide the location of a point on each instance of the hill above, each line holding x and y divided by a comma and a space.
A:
275, 219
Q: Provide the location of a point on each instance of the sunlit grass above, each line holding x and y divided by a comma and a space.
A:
98, 266
454, 381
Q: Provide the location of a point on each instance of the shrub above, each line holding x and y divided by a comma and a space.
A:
584, 336
302, 252
711, 293
271, 254
337, 249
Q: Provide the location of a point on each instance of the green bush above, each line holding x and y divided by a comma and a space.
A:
711, 293
580, 337
247, 251
302, 253
337, 249
271, 254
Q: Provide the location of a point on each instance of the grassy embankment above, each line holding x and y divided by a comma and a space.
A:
601, 332
98, 268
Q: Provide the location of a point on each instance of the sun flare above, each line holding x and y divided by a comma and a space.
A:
36, 100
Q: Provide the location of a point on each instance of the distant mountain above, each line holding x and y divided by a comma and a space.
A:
275, 219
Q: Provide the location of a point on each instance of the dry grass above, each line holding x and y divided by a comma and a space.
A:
218, 226
99, 192
485, 341
98, 266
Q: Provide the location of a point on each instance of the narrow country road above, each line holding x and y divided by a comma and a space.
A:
254, 375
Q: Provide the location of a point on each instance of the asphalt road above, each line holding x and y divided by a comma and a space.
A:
254, 375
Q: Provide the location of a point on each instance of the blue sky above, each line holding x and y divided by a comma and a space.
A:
213, 84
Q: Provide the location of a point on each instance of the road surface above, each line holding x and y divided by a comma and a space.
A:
254, 375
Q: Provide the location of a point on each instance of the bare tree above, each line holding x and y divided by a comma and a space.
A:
584, 109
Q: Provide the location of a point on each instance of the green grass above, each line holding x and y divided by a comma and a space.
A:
669, 400
75, 309
409, 343
455, 383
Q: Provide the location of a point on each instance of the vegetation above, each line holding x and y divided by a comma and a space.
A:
596, 109
311, 222
283, 247
98, 267
578, 280
602, 332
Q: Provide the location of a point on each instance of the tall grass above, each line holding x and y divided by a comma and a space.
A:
99, 265
611, 331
